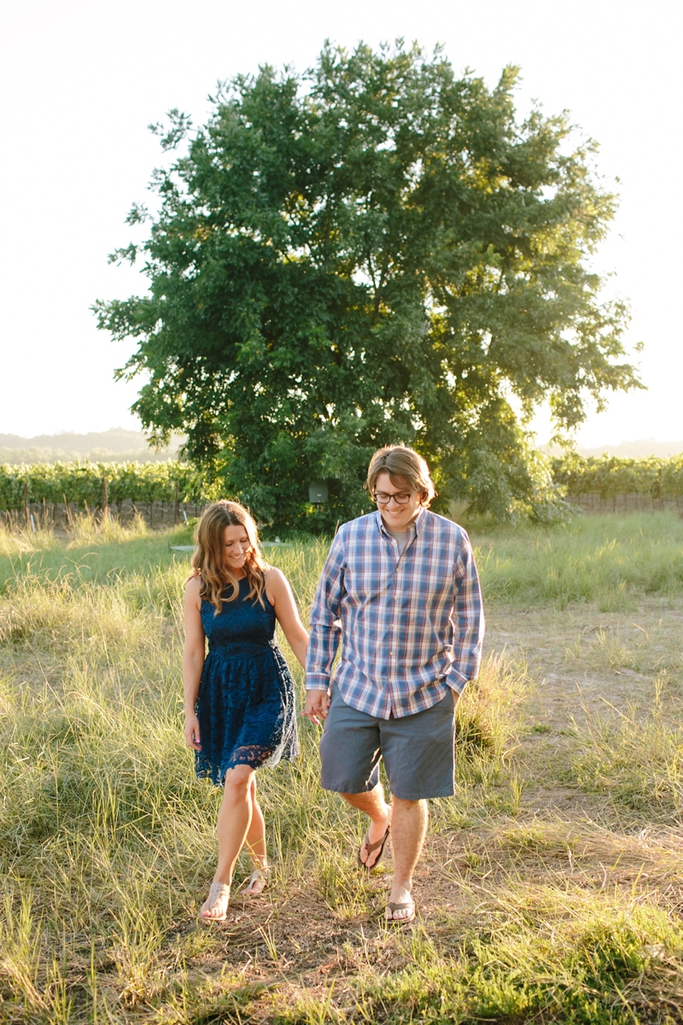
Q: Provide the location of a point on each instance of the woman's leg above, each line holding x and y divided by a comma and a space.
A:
256, 843
256, 837
234, 822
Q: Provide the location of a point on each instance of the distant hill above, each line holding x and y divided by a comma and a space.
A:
116, 444
625, 449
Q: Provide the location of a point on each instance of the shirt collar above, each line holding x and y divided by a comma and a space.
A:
415, 526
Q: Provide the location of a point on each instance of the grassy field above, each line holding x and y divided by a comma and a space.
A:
552, 885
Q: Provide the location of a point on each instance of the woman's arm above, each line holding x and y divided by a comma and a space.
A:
280, 596
193, 660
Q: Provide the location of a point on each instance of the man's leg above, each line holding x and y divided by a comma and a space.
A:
350, 754
408, 830
372, 802
418, 754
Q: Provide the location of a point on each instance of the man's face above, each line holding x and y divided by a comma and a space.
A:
396, 516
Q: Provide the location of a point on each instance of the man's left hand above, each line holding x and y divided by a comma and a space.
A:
317, 704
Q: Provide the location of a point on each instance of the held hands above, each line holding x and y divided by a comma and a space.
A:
192, 736
317, 703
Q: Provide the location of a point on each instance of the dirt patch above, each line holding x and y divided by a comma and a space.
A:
583, 660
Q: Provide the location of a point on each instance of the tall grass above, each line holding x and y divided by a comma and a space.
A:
596, 965
91, 552
635, 759
107, 845
610, 560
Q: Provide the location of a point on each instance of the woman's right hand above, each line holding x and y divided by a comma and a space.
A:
192, 735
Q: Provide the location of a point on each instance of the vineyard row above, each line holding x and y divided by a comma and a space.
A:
101, 485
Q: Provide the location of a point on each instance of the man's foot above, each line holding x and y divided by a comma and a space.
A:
373, 851
215, 907
258, 882
400, 913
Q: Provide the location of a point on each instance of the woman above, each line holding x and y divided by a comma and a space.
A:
239, 699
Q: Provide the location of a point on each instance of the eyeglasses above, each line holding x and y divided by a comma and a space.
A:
400, 497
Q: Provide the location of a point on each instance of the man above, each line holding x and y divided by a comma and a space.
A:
402, 587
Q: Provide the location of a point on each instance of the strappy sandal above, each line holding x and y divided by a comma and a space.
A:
370, 847
219, 895
257, 883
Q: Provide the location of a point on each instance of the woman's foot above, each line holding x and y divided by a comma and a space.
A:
258, 881
215, 907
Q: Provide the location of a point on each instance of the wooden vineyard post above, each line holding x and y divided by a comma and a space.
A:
27, 514
105, 498
176, 508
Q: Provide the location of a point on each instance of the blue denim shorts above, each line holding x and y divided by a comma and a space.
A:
418, 750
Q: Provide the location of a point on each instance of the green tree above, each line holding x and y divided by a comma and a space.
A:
375, 251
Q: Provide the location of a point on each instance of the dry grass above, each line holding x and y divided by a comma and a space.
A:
551, 888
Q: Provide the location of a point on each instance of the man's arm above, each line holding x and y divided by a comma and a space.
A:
325, 630
468, 620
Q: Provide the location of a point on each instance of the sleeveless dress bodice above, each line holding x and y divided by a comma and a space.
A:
241, 622
245, 704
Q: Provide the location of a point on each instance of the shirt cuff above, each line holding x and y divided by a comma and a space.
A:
316, 681
456, 680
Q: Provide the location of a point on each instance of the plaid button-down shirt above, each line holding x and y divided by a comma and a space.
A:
412, 622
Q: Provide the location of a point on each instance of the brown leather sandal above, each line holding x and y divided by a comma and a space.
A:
370, 847
392, 908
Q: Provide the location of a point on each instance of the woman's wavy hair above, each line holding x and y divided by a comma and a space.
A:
208, 560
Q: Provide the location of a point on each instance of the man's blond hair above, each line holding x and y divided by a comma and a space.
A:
405, 467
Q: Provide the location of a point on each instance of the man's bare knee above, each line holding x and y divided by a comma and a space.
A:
400, 802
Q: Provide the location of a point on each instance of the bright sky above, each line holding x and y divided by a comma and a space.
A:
81, 80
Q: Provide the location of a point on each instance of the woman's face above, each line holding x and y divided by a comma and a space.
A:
236, 545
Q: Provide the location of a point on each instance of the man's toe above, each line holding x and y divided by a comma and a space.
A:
400, 912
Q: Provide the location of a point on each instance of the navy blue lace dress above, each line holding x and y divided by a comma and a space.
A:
245, 703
